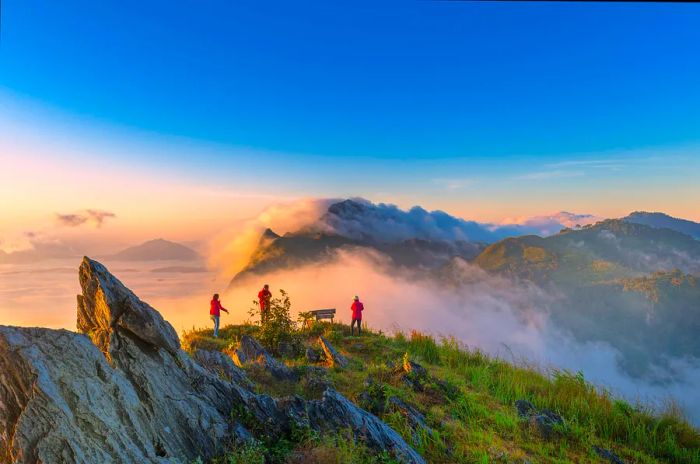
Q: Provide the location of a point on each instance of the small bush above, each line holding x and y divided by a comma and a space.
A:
278, 332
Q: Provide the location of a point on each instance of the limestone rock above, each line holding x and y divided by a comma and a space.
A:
336, 412
414, 369
332, 355
415, 419
62, 402
222, 365
312, 356
133, 396
544, 421
250, 351
107, 306
608, 455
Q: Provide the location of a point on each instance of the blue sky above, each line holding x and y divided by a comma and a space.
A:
418, 101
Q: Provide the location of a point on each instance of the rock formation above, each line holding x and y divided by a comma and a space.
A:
332, 355
249, 351
124, 392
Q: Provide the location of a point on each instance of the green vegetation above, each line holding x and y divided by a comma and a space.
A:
468, 403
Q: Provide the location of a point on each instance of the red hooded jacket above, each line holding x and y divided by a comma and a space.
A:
357, 309
215, 308
264, 298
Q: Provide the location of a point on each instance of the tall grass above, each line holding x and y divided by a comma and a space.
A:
590, 413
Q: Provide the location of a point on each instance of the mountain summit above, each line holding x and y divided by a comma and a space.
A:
156, 250
662, 220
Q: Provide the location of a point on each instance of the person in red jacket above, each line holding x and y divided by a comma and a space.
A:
264, 297
357, 308
215, 312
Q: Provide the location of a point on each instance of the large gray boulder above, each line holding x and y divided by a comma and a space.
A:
124, 392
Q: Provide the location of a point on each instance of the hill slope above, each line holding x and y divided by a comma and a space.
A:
157, 250
608, 249
457, 406
629, 285
661, 220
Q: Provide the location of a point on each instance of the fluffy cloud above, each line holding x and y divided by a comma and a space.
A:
553, 223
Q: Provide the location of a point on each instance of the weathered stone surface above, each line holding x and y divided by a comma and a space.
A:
415, 419
608, 455
544, 421
525, 408
312, 356
336, 412
414, 369
134, 397
62, 402
106, 306
373, 397
250, 351
222, 365
332, 355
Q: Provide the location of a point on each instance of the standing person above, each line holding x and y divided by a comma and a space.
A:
357, 308
264, 297
215, 312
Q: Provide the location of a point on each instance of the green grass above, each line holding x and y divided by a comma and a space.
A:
468, 404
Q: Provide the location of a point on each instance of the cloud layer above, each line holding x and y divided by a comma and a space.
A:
487, 312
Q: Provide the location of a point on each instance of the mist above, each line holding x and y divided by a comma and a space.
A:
494, 314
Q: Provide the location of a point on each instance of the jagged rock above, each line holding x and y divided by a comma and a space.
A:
315, 381
106, 306
222, 365
414, 375
336, 412
416, 420
607, 454
525, 408
414, 369
249, 350
61, 401
241, 436
332, 355
544, 421
373, 397
133, 397
312, 356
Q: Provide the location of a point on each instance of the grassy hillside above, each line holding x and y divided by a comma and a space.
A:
608, 250
466, 400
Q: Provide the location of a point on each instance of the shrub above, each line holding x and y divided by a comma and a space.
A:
278, 332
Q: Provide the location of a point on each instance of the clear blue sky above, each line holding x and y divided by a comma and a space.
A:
320, 86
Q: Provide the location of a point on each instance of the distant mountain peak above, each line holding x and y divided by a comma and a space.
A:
157, 249
664, 221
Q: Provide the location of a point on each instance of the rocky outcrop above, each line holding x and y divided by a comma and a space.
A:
131, 396
607, 455
335, 412
312, 356
414, 418
222, 365
332, 355
547, 423
124, 392
106, 308
250, 351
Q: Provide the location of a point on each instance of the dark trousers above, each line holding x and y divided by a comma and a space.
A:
359, 325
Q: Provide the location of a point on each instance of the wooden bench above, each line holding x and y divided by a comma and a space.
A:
316, 315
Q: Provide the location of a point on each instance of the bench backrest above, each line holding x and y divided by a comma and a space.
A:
323, 313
